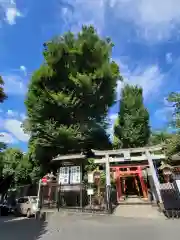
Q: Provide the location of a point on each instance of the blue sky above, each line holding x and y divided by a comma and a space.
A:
146, 34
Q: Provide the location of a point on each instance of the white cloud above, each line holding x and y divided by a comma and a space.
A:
14, 85
12, 125
75, 13
11, 14
9, 11
14, 114
7, 138
149, 78
23, 116
169, 58
155, 20
15, 127
11, 113
23, 69
165, 114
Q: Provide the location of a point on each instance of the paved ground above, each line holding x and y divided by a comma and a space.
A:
87, 227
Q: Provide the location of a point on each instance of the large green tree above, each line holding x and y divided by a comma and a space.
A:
69, 95
132, 125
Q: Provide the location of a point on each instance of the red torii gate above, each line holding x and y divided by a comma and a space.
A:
129, 170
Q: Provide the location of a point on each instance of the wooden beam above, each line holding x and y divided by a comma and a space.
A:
127, 150
133, 159
69, 157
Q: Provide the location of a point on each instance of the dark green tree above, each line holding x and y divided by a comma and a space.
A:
132, 126
69, 95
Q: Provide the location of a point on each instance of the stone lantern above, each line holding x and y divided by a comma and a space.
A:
167, 171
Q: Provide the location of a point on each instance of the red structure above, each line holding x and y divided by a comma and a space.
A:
44, 180
121, 173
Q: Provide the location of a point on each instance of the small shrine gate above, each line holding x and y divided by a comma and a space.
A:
131, 162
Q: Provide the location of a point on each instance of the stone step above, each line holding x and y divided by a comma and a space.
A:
137, 211
134, 201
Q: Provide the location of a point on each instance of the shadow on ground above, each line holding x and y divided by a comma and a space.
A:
27, 229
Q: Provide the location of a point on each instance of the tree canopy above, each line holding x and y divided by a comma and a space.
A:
132, 125
16, 164
70, 94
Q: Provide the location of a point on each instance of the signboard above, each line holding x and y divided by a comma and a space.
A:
90, 191
64, 175
75, 175
126, 155
90, 178
70, 175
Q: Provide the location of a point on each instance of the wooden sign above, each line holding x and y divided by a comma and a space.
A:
90, 191
90, 178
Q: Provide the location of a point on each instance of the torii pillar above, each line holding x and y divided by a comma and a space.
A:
154, 176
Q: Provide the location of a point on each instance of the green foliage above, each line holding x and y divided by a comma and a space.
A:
23, 171
132, 126
90, 166
14, 162
69, 95
3, 96
11, 159
173, 145
2, 148
159, 137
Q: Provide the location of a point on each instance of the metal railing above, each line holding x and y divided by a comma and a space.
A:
76, 197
